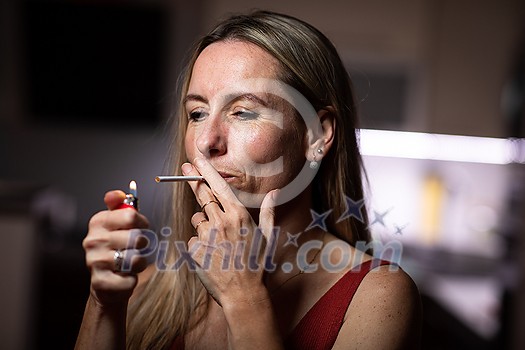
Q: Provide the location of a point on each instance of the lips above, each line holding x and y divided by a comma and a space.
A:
227, 173
227, 176
224, 175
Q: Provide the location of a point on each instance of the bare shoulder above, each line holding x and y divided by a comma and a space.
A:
385, 312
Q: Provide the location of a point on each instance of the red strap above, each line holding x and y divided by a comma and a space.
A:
319, 328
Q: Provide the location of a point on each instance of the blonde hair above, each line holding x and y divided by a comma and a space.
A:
310, 64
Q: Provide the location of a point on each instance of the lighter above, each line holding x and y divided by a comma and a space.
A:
131, 200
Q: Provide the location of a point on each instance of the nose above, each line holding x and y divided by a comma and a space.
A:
211, 137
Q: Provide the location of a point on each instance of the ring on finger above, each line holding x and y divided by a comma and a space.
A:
198, 224
118, 258
209, 202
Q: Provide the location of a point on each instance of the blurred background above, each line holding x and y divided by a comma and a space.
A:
86, 89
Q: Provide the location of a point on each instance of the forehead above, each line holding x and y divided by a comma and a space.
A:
227, 64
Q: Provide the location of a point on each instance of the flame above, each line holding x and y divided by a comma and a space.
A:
133, 186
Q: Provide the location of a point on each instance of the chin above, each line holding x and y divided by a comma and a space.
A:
248, 199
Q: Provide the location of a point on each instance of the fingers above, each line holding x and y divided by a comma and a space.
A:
101, 245
114, 198
218, 187
211, 201
132, 262
123, 239
118, 220
114, 230
113, 247
197, 219
204, 195
267, 213
221, 190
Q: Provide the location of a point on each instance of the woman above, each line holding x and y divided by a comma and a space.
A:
264, 99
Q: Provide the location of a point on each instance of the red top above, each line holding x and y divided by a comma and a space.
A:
319, 328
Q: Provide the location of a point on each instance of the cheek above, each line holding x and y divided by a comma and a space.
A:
263, 148
259, 145
250, 150
189, 144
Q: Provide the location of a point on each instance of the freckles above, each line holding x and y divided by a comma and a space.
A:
189, 144
256, 152
261, 147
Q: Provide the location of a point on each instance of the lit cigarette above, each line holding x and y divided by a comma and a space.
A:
178, 178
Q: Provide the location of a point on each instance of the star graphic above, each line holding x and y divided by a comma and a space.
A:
318, 220
353, 209
292, 239
380, 217
399, 229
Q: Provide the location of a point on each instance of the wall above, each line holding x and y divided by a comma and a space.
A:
459, 53
79, 159
475, 44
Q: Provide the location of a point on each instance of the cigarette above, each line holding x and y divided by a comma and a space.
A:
164, 178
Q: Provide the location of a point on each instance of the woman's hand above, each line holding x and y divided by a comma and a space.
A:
229, 248
109, 231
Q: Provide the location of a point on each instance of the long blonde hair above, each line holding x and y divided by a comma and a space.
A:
311, 65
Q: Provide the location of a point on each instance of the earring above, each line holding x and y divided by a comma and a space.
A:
314, 164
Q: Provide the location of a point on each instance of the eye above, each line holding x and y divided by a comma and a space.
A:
246, 115
196, 115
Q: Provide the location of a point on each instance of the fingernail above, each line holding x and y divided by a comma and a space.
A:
186, 168
275, 193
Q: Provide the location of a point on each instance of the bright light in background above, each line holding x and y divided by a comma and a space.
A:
449, 195
417, 145
455, 205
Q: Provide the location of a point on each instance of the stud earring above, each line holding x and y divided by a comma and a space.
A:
314, 164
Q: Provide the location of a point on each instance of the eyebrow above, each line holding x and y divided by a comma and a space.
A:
248, 96
194, 97
231, 98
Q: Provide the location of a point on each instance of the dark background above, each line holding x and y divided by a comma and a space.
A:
85, 97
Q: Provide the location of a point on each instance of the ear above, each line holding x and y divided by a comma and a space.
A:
324, 142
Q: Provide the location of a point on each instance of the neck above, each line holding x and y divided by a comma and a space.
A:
292, 218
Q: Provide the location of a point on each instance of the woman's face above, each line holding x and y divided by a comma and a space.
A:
249, 135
